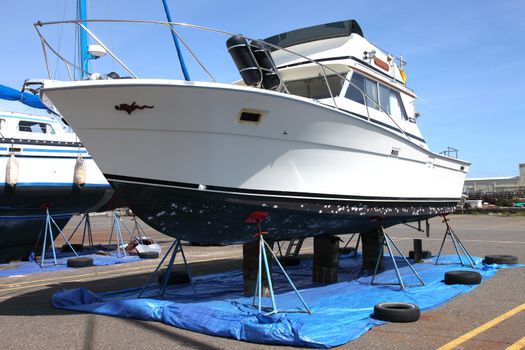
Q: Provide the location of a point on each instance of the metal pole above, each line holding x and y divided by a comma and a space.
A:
268, 275
441, 247
64, 236
290, 281
169, 268
400, 279
259, 274
83, 42
176, 42
381, 253
455, 246
157, 269
43, 257
51, 236
467, 254
403, 256
187, 268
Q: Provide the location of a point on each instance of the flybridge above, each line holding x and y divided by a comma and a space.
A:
314, 33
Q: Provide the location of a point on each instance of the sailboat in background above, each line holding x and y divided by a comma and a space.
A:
43, 165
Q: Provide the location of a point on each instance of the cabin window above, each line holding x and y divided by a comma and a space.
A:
2, 122
35, 127
377, 95
371, 93
316, 87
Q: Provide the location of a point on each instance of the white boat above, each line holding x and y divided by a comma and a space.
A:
195, 159
38, 157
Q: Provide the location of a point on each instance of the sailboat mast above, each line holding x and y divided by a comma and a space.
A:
83, 42
177, 46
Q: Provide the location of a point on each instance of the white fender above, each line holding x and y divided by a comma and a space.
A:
79, 177
11, 171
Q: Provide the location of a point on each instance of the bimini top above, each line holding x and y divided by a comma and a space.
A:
318, 32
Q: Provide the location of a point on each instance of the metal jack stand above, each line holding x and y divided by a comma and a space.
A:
174, 249
386, 243
356, 245
458, 245
48, 231
136, 227
257, 217
87, 229
118, 235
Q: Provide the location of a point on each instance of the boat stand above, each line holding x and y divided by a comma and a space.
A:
137, 228
116, 226
258, 287
356, 244
175, 248
386, 242
458, 246
48, 232
87, 230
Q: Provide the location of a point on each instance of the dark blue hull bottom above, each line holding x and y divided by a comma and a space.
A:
217, 215
22, 214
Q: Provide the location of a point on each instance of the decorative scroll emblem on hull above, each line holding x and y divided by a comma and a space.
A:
130, 108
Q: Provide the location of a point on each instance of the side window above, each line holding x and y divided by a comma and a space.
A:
359, 85
371, 93
390, 102
377, 95
2, 122
356, 88
396, 106
384, 98
35, 127
316, 87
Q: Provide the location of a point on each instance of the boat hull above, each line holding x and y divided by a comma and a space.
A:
190, 168
44, 179
219, 215
22, 213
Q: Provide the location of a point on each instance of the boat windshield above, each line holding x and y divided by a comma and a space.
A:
316, 87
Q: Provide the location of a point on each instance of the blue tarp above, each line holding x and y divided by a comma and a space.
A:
30, 267
10, 94
341, 311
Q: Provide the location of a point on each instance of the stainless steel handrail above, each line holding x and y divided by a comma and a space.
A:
171, 26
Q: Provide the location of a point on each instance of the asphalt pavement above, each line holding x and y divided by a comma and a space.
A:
29, 321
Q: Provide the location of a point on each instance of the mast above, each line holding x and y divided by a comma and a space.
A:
176, 41
83, 41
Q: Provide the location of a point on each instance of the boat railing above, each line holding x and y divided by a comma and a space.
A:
82, 25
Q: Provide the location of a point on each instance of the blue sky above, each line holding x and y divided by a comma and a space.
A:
466, 59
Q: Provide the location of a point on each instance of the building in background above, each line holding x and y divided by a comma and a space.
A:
496, 184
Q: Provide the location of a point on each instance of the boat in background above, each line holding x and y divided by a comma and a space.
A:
319, 137
43, 165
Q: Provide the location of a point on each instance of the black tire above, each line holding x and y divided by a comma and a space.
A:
347, 250
80, 261
149, 255
425, 254
76, 246
500, 259
396, 312
289, 261
176, 277
462, 277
